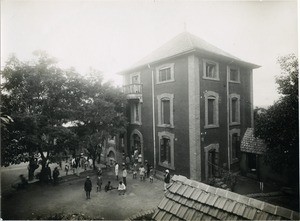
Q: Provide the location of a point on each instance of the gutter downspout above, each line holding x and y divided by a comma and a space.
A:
228, 103
153, 117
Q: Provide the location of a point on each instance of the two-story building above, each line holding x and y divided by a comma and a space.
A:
189, 105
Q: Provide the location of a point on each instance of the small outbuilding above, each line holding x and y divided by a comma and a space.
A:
252, 152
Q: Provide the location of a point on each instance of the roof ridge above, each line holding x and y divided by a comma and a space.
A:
189, 39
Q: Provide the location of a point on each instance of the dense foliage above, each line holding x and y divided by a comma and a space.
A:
39, 99
278, 125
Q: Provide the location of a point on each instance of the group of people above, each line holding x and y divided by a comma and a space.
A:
88, 184
78, 162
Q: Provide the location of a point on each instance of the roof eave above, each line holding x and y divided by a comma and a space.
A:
154, 62
237, 60
248, 64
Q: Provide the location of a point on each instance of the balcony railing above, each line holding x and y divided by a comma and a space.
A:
133, 91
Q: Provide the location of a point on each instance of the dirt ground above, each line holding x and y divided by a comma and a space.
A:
69, 198
40, 201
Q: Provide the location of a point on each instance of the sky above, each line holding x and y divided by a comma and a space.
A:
111, 36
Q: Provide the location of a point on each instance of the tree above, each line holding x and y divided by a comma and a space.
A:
103, 108
278, 125
42, 98
37, 96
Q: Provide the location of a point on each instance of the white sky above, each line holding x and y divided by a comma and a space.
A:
112, 35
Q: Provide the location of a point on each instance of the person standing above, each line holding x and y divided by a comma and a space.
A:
127, 162
117, 170
99, 183
48, 173
73, 163
140, 157
124, 175
55, 176
135, 169
151, 175
88, 187
167, 180
67, 167
142, 173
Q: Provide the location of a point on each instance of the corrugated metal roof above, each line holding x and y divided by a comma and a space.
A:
181, 44
251, 144
214, 203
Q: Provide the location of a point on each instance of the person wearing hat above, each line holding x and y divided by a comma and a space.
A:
88, 187
167, 180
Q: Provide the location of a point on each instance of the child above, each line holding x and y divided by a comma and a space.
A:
134, 171
108, 187
142, 173
151, 175
99, 183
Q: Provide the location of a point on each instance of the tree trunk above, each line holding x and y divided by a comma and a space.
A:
94, 161
32, 166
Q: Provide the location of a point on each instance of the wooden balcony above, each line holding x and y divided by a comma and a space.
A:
133, 91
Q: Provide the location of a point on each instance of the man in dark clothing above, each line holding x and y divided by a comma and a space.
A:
147, 168
55, 176
48, 172
108, 187
88, 187
167, 180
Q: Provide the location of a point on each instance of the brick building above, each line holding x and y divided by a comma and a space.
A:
189, 105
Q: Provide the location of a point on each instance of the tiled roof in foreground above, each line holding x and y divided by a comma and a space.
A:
251, 144
191, 200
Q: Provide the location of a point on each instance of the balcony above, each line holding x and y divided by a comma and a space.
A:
133, 91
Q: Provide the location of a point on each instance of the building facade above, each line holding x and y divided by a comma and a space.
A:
189, 104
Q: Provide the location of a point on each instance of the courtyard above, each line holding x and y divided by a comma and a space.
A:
39, 201
45, 201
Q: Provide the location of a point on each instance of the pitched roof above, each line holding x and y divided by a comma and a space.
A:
181, 44
191, 200
251, 144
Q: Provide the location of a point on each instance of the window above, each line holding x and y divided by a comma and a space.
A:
234, 144
165, 73
166, 149
234, 109
234, 74
210, 103
135, 78
211, 109
165, 110
136, 113
210, 70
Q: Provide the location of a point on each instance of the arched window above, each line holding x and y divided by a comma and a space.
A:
165, 110
166, 149
234, 144
234, 109
211, 109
